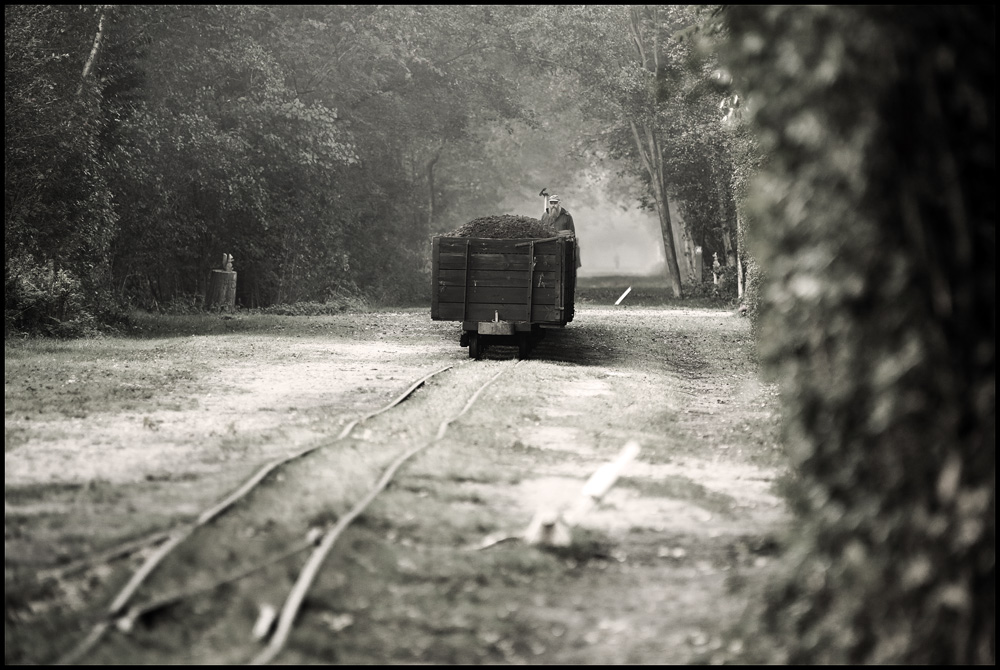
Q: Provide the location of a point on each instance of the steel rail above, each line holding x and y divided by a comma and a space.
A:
105, 556
312, 566
180, 534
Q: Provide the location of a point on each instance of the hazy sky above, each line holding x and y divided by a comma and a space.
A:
615, 238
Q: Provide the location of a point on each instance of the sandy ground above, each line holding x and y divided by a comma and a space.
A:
663, 570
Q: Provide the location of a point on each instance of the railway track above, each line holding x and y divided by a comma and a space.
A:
424, 573
209, 545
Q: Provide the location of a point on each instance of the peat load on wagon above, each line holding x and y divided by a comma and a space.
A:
504, 227
503, 277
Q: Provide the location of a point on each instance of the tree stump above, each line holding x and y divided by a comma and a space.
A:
221, 291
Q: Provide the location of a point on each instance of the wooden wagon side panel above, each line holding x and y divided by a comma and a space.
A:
507, 280
569, 284
454, 311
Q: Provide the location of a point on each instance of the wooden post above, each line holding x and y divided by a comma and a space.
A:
221, 294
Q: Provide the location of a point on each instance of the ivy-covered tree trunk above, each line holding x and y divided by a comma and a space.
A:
875, 224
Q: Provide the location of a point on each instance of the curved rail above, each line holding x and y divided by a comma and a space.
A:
180, 534
308, 574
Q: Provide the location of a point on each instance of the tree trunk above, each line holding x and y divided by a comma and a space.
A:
667, 233
98, 39
739, 254
723, 182
431, 187
727, 245
690, 262
221, 295
652, 161
649, 151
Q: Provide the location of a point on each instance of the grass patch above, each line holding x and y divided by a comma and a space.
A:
87, 376
587, 545
681, 488
648, 292
435, 604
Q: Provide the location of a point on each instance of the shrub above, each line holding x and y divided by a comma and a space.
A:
43, 300
723, 294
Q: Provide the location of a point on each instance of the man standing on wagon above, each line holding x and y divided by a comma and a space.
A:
561, 220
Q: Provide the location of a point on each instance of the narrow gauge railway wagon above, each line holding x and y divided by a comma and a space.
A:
503, 290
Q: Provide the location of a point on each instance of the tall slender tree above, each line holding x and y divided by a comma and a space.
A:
631, 69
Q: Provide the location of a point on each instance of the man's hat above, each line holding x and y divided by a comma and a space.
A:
553, 198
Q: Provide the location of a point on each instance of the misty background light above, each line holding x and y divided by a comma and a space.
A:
616, 237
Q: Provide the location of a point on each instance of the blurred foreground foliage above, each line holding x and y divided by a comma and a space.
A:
874, 226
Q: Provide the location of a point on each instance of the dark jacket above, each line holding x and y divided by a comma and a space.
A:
564, 221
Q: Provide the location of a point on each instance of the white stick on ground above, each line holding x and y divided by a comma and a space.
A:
265, 621
622, 296
552, 528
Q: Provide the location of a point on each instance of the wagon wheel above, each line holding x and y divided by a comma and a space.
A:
474, 351
523, 346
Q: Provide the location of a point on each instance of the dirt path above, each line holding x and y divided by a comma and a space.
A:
658, 573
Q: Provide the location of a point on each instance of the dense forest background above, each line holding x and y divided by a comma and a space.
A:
840, 160
323, 146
